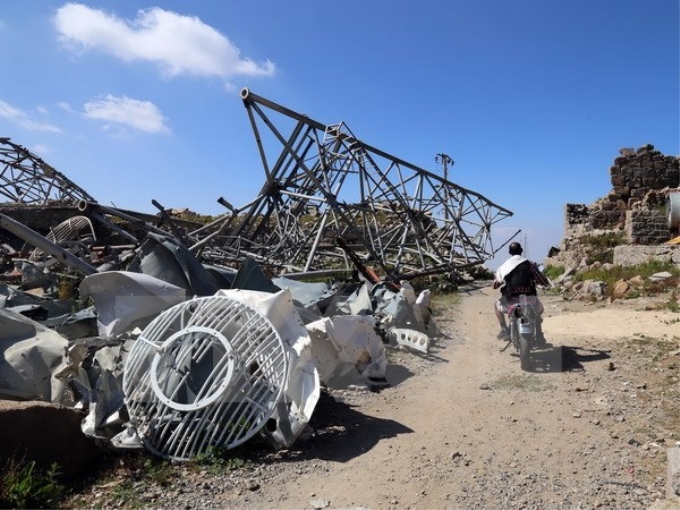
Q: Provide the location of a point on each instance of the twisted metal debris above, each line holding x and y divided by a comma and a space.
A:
329, 203
27, 179
326, 190
245, 355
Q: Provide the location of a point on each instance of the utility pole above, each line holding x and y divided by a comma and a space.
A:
445, 161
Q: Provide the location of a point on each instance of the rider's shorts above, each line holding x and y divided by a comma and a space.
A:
504, 303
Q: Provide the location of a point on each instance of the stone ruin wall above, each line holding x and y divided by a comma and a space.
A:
636, 207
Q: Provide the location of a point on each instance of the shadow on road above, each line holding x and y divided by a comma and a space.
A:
396, 374
565, 358
342, 433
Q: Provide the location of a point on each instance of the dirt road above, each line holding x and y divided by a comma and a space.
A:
464, 427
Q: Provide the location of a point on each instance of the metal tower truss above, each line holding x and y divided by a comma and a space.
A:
27, 179
329, 197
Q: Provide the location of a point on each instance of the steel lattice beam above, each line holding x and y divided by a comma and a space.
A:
27, 179
324, 184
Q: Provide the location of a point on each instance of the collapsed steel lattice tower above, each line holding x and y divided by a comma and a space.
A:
27, 179
329, 197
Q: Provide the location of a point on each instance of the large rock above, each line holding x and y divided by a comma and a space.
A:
45, 433
620, 289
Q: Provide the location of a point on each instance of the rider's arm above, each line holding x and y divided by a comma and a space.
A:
539, 278
497, 279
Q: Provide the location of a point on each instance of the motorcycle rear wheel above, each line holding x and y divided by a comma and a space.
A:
524, 350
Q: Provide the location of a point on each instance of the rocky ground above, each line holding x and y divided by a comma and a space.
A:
463, 427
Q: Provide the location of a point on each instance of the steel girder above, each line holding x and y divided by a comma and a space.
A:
323, 184
27, 179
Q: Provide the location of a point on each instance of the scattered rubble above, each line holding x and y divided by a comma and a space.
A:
176, 336
164, 329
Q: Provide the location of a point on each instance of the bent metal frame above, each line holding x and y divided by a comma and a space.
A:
327, 199
325, 188
27, 179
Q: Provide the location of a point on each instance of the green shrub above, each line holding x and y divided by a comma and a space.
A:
604, 241
553, 272
672, 303
480, 272
601, 247
22, 485
603, 257
616, 273
218, 460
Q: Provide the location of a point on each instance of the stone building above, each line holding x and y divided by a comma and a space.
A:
636, 212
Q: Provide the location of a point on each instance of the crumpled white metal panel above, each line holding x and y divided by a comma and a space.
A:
344, 343
407, 319
214, 371
303, 388
125, 300
34, 361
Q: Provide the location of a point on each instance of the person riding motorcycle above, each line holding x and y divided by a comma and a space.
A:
516, 276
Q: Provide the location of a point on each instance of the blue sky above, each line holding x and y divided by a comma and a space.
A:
532, 99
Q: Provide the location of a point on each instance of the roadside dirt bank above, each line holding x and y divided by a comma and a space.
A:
464, 427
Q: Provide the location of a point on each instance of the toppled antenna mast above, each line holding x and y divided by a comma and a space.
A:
322, 184
27, 179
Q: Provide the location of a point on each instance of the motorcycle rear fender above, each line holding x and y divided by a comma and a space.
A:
526, 328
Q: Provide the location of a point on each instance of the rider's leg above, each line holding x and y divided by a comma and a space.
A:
540, 337
539, 329
541, 342
499, 310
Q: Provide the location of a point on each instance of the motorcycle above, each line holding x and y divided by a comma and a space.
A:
523, 319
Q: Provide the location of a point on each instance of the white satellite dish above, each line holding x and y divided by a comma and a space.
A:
206, 372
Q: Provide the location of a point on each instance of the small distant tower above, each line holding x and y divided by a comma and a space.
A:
445, 161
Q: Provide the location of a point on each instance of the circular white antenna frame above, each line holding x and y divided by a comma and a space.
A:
206, 372
202, 401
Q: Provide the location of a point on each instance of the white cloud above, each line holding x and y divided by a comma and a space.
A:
21, 118
178, 44
65, 106
141, 115
41, 150
9, 112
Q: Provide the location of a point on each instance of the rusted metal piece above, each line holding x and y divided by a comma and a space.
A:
167, 220
366, 271
322, 183
673, 206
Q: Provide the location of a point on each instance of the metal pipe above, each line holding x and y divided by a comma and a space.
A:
108, 223
200, 244
167, 219
317, 240
85, 206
